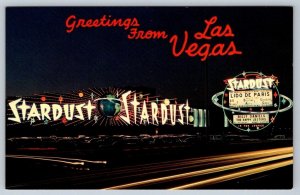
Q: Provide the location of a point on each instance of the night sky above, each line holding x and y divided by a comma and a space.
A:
42, 57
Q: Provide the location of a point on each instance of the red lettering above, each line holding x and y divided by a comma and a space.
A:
96, 23
117, 22
232, 49
132, 33
89, 23
174, 40
149, 34
203, 35
216, 31
203, 51
80, 23
228, 31
70, 24
217, 50
191, 50
135, 23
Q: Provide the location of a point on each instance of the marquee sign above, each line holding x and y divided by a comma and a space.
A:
253, 98
251, 101
104, 106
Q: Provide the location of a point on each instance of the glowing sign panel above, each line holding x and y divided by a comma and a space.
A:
250, 98
107, 106
251, 119
251, 101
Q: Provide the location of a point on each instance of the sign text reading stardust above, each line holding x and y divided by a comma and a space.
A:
25, 112
185, 44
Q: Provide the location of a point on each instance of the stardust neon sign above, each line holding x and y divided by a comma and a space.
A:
243, 84
251, 101
166, 111
49, 112
118, 108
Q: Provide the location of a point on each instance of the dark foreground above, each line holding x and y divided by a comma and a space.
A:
234, 165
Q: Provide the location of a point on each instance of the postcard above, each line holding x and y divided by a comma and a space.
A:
149, 98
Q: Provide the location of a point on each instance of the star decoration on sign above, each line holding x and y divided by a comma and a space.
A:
262, 109
275, 105
272, 119
244, 73
277, 82
92, 96
283, 101
96, 119
32, 121
275, 94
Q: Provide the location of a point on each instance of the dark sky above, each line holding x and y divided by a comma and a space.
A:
42, 57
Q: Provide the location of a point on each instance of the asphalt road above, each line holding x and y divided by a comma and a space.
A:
257, 169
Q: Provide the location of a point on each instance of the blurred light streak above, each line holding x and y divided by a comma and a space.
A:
235, 175
53, 158
202, 172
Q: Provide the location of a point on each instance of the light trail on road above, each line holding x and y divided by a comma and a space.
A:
202, 172
264, 157
171, 174
57, 159
235, 175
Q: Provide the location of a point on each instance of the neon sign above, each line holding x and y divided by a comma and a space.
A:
251, 101
109, 106
197, 44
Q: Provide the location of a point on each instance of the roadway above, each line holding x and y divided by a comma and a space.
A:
187, 173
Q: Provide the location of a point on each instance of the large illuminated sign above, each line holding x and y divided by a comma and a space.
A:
251, 101
110, 106
252, 98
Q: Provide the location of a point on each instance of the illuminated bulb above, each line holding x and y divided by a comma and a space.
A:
80, 94
167, 101
64, 120
60, 99
43, 98
191, 118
